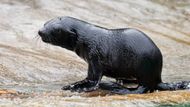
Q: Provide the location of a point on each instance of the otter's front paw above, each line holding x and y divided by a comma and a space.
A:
82, 86
67, 87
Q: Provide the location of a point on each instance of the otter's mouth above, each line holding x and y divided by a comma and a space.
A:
46, 39
44, 36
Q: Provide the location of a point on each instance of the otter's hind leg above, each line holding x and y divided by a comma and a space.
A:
126, 81
139, 90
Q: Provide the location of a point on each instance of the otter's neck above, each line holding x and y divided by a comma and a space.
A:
86, 34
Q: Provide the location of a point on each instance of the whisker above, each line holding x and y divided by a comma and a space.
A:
37, 36
37, 40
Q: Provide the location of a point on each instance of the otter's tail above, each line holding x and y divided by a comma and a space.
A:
173, 86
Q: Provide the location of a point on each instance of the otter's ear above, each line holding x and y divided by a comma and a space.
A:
73, 37
73, 33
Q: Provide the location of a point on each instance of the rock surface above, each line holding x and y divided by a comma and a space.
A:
32, 73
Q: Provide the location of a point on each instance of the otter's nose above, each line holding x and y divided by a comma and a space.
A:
40, 32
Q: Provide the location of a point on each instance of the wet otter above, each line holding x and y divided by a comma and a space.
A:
123, 54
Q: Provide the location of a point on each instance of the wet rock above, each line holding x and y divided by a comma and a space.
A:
32, 73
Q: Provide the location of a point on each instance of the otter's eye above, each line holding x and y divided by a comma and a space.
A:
58, 30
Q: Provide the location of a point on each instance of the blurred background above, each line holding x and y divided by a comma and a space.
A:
29, 66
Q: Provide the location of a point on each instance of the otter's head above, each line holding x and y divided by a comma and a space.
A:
59, 32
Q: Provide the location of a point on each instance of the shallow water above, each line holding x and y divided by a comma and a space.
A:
35, 71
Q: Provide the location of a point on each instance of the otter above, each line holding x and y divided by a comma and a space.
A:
126, 54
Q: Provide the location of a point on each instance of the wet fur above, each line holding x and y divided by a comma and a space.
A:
124, 54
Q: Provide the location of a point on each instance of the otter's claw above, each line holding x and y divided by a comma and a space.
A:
68, 87
81, 86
